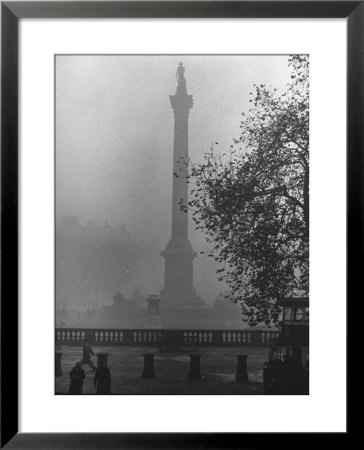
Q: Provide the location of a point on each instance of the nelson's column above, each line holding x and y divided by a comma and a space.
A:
178, 291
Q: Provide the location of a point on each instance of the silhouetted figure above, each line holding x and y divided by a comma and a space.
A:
102, 380
180, 75
86, 355
77, 376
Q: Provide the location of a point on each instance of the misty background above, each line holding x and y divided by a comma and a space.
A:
114, 156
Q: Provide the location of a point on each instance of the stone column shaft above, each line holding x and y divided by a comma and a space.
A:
180, 159
178, 288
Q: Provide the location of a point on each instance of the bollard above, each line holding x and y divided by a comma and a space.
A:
58, 346
102, 357
58, 364
241, 368
148, 371
195, 372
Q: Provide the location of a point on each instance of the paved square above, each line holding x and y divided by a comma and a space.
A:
218, 367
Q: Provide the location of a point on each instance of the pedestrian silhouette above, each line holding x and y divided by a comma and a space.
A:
86, 355
102, 380
77, 376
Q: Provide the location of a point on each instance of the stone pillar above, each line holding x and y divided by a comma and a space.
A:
241, 368
148, 371
153, 320
195, 371
58, 364
153, 305
102, 357
178, 279
181, 104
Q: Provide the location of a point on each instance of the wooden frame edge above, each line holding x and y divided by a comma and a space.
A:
11, 13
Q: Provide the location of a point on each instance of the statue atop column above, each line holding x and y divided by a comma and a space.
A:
181, 80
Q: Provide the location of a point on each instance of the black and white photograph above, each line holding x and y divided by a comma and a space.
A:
181, 224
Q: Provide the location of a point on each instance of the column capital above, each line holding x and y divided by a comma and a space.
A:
181, 102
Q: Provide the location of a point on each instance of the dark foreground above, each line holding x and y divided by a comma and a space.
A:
218, 367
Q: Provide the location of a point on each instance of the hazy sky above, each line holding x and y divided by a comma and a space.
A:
114, 131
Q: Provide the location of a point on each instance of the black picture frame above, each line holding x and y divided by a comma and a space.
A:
11, 12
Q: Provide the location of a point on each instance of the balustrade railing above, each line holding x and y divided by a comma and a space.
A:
153, 337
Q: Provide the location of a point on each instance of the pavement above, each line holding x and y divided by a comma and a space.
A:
218, 367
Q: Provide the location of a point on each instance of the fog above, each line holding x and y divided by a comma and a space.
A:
114, 150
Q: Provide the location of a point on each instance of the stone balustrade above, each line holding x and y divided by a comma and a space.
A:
155, 338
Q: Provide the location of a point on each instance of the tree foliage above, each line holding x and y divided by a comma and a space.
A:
252, 202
